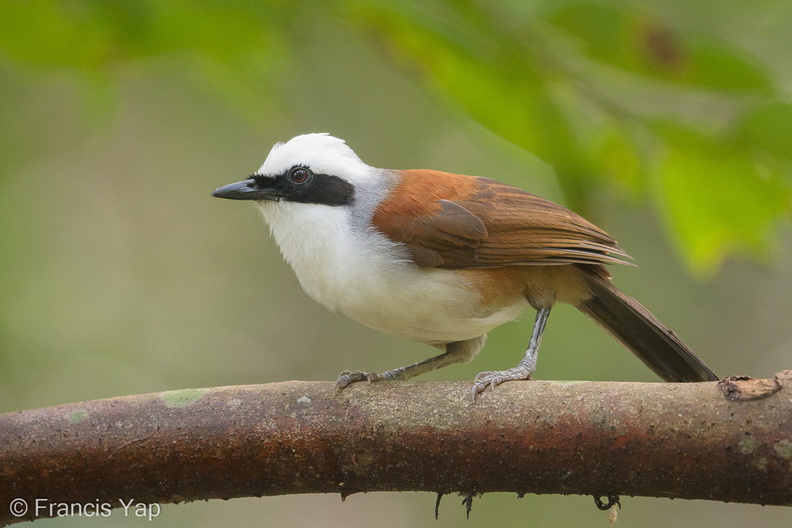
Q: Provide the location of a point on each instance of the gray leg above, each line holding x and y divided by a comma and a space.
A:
524, 369
457, 352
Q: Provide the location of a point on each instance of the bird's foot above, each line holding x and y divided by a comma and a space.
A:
348, 377
493, 378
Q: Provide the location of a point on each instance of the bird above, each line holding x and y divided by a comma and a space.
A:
442, 259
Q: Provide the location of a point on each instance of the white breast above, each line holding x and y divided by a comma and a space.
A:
367, 277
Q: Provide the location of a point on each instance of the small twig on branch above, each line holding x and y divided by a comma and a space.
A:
726, 441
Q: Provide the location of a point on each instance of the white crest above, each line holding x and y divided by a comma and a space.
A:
322, 153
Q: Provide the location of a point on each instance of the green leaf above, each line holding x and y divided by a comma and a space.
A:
90, 34
51, 33
767, 128
234, 44
500, 88
720, 66
718, 199
645, 45
620, 160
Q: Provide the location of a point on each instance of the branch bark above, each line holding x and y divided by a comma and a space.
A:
727, 441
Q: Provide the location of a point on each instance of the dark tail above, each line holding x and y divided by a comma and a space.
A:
640, 331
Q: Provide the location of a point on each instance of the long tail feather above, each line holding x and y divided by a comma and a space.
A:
640, 331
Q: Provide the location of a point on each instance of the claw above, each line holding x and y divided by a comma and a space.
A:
348, 377
493, 378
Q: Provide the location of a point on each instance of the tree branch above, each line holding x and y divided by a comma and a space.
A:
726, 441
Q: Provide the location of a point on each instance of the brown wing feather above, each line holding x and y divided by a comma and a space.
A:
452, 221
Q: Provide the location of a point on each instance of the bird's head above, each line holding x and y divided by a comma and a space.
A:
311, 168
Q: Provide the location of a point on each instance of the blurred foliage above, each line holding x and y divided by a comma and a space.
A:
569, 83
610, 95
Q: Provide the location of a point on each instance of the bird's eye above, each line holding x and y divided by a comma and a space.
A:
299, 175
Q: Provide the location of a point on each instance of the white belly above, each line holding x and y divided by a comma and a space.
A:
427, 305
367, 278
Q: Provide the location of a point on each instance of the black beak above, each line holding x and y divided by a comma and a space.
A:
246, 190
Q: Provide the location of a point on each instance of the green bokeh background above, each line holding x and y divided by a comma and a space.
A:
120, 275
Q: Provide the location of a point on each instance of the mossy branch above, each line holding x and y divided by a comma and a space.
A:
727, 441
